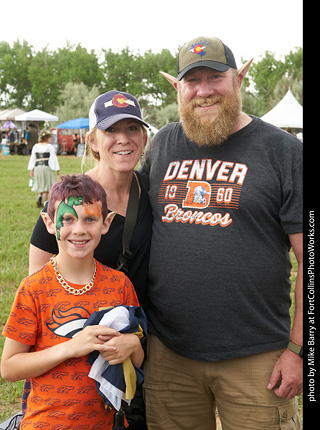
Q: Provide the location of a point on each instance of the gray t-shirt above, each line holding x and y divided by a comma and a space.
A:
219, 269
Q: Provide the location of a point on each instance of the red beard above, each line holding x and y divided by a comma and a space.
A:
213, 126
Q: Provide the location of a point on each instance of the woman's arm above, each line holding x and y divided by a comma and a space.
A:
43, 245
37, 258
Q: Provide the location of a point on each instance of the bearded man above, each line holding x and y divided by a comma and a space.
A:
226, 193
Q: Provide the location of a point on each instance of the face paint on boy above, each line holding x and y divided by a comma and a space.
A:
66, 208
93, 209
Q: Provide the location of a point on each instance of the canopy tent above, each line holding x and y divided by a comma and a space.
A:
75, 124
3, 112
10, 114
287, 113
36, 115
8, 124
79, 123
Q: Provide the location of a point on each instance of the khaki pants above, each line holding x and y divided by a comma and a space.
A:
181, 393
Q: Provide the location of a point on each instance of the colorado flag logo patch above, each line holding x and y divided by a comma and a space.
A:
199, 48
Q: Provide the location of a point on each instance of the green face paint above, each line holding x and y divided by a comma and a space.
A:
66, 208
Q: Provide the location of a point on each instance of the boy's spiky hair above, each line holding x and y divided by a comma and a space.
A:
77, 186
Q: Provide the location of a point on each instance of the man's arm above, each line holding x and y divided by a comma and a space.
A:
287, 377
297, 328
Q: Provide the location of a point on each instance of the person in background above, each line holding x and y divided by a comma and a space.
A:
46, 340
31, 137
42, 165
115, 141
76, 141
13, 136
226, 193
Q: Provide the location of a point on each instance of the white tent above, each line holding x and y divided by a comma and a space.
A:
3, 112
11, 114
36, 115
287, 113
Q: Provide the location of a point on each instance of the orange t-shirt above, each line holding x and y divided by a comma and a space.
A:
44, 314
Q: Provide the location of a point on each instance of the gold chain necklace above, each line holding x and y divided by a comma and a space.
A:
68, 287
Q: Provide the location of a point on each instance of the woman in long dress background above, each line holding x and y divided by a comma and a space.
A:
43, 163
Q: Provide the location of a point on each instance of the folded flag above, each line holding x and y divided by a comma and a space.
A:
118, 382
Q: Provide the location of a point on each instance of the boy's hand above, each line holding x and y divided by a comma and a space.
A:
91, 338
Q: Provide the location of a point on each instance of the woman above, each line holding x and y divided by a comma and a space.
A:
43, 162
116, 140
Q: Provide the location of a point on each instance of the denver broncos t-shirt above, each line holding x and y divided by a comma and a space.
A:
43, 315
219, 272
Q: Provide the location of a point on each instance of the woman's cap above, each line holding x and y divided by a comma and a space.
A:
204, 52
112, 107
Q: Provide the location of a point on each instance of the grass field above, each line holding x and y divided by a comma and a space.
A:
18, 214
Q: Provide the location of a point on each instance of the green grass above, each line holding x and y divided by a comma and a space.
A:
18, 214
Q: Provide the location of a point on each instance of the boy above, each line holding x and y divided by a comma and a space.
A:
45, 341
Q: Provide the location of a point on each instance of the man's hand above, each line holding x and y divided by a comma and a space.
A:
287, 377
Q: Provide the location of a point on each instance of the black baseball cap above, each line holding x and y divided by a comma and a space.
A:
113, 106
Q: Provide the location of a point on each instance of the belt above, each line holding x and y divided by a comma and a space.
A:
42, 163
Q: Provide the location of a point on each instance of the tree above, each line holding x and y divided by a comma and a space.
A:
75, 101
5, 50
269, 74
51, 71
30, 79
157, 89
166, 114
45, 82
118, 70
14, 64
265, 74
293, 63
76, 64
139, 75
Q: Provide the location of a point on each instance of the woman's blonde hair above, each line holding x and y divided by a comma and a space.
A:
90, 158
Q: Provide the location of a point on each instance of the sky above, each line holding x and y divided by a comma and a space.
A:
248, 27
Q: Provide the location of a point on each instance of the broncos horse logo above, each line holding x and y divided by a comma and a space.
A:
67, 323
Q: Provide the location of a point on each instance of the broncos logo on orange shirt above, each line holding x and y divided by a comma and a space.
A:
67, 323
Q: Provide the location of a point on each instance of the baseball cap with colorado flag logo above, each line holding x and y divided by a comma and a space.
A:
113, 106
204, 52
